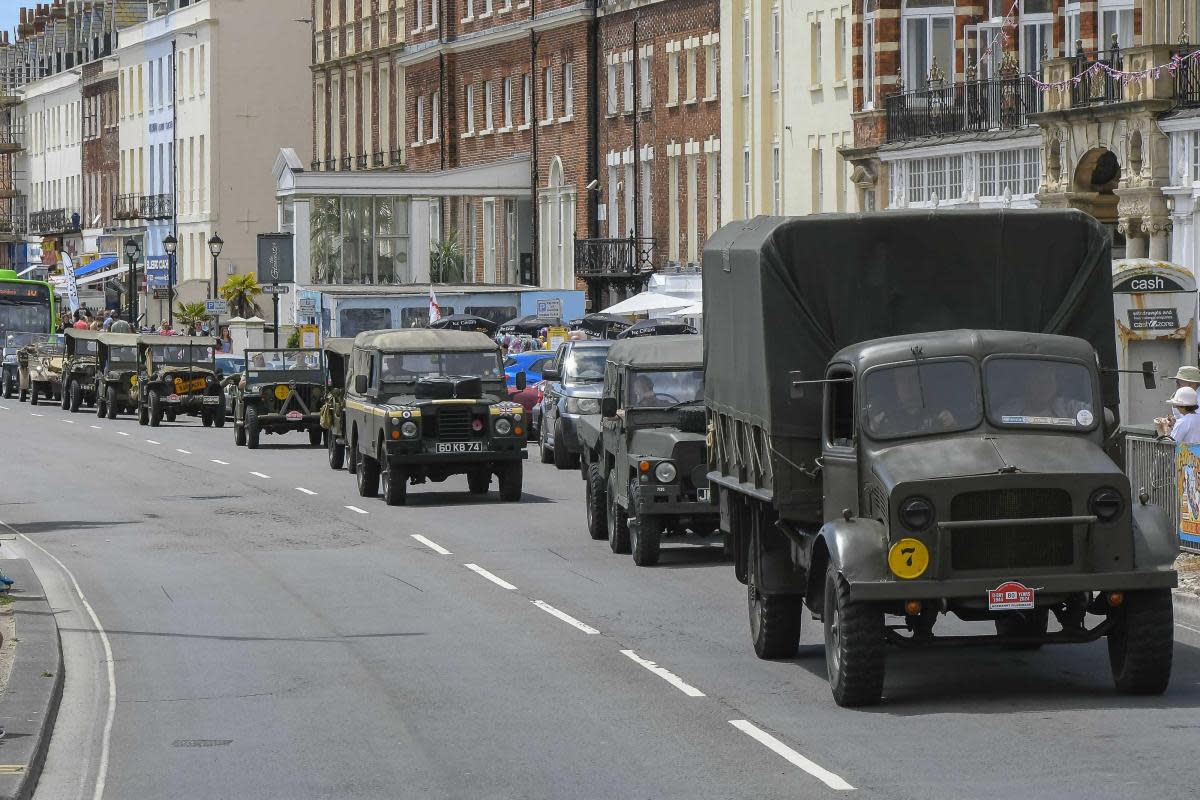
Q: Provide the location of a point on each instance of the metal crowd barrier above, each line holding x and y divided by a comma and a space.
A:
1150, 465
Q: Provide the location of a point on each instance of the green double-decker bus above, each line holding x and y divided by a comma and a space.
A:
26, 306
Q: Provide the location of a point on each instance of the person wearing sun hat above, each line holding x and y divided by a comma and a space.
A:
1186, 429
1187, 376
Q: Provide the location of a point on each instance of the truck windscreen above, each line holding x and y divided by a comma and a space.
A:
917, 399
1034, 391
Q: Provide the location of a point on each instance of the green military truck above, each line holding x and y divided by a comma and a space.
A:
116, 374
79, 368
644, 457
333, 409
280, 391
422, 405
908, 416
178, 375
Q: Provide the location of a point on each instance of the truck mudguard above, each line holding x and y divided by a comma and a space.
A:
1155, 540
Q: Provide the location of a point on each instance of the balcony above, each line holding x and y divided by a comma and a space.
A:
331, 165
56, 220
1084, 81
397, 158
972, 107
347, 162
315, 166
1187, 79
360, 161
12, 226
614, 258
12, 139
157, 206
127, 206
378, 160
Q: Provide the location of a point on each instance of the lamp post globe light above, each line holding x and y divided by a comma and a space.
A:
169, 245
133, 251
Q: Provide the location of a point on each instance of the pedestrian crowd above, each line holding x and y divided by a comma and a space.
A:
85, 319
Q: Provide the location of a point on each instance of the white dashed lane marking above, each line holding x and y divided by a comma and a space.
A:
95, 427
68, 421
151, 441
356, 509
181, 450
122, 433
779, 748
36, 415
503, 584
666, 675
432, 545
260, 475
305, 491
219, 461
567, 618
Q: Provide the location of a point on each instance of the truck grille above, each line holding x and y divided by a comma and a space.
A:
1011, 547
453, 425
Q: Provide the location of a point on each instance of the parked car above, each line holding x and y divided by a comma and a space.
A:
573, 389
531, 363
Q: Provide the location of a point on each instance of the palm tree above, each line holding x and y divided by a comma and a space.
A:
190, 314
240, 291
446, 260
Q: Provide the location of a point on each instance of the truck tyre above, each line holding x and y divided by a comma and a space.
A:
774, 621
478, 481
563, 458
395, 486
368, 475
156, 410
645, 537
111, 406
854, 654
21, 394
352, 455
1141, 642
617, 521
314, 437
1023, 623
239, 435
337, 450
101, 406
594, 503
251, 427
510, 476
169, 414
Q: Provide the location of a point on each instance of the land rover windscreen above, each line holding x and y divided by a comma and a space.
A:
661, 388
411, 367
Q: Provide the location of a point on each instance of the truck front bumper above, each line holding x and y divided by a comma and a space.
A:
976, 588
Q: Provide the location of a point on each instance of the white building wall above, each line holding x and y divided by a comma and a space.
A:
49, 170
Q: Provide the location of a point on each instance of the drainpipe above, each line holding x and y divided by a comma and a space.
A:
533, 161
636, 171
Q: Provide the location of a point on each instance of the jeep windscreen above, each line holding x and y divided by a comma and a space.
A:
15, 341
411, 367
200, 355
583, 366
283, 361
921, 398
123, 355
663, 388
86, 347
1039, 392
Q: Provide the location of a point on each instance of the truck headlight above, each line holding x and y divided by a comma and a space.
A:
916, 514
409, 429
503, 426
1106, 504
665, 472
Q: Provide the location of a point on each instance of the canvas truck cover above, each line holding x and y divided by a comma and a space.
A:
783, 295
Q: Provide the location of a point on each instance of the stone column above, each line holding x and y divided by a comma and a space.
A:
1159, 228
1135, 238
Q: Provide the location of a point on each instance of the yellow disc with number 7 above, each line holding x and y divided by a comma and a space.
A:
281, 392
908, 558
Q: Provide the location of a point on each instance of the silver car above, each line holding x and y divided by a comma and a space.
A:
572, 390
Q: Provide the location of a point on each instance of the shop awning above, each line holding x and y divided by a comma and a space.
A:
104, 262
99, 276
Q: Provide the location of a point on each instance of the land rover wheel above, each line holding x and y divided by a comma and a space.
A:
74, 397
563, 458
546, 454
368, 476
511, 476
395, 486
101, 406
615, 519
645, 538
251, 427
352, 456
314, 436
478, 480
1141, 642
170, 414
239, 434
156, 410
21, 395
337, 451
594, 503
854, 654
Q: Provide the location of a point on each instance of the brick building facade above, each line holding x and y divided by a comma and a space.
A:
101, 147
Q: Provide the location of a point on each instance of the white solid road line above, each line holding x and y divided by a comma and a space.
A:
666, 675
356, 509
306, 491
181, 450
432, 545
260, 475
110, 664
503, 584
567, 618
1187, 627
219, 461
816, 770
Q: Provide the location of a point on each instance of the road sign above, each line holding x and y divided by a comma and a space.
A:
162, 292
306, 305
310, 336
272, 289
275, 258
550, 308
218, 308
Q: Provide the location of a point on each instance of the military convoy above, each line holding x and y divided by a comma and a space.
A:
40, 366
79, 368
178, 374
116, 374
14, 343
280, 391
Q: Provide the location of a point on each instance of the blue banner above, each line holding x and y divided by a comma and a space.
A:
158, 272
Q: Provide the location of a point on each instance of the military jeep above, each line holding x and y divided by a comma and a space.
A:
79, 369
333, 409
644, 457
427, 404
178, 374
14, 342
43, 361
116, 374
280, 391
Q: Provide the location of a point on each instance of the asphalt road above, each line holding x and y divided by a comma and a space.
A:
269, 639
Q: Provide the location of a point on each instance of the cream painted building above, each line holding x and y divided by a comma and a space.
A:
785, 107
48, 172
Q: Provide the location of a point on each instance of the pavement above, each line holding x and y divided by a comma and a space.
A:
241, 624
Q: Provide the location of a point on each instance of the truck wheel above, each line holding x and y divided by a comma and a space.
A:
395, 486
1141, 642
337, 452
594, 503
314, 437
617, 522
21, 395
510, 481
547, 455
479, 480
156, 410
774, 621
854, 655
239, 435
1023, 623
368, 476
251, 427
563, 458
645, 537
110, 404
64, 397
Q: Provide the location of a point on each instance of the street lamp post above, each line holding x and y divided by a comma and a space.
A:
170, 244
214, 246
132, 252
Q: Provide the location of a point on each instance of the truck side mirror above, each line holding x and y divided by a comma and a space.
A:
522, 381
1148, 370
796, 377
608, 407
360, 384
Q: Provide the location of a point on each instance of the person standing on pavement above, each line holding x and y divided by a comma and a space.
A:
1185, 429
1187, 376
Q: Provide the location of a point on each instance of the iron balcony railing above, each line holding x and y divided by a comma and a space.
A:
331, 165
1095, 85
361, 161
55, 220
347, 162
378, 159
1187, 79
970, 107
157, 206
397, 157
315, 166
13, 224
595, 258
12, 136
127, 206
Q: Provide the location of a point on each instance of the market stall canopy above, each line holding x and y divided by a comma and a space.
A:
466, 322
648, 301
696, 310
530, 324
656, 327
